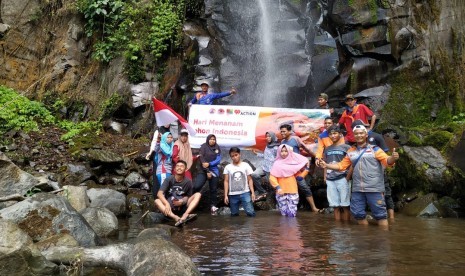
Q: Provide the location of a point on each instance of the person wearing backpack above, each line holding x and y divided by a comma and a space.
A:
368, 177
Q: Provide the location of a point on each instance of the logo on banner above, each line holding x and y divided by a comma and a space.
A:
248, 113
220, 111
212, 111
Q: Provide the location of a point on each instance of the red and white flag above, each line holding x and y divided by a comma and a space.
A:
164, 115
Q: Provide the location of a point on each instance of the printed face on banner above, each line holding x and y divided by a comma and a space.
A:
246, 126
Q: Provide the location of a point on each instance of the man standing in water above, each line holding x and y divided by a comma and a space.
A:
368, 176
377, 139
176, 199
296, 143
207, 99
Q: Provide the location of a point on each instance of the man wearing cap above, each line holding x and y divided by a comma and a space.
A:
182, 151
368, 176
355, 111
377, 139
207, 99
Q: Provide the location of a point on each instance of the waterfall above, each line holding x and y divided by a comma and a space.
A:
270, 84
263, 52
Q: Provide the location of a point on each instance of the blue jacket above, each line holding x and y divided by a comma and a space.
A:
209, 98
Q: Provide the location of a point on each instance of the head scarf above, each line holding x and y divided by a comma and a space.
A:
185, 152
274, 140
288, 166
166, 148
208, 153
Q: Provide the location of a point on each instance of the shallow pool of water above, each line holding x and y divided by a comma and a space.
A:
270, 244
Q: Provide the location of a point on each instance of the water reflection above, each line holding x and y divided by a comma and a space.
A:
314, 244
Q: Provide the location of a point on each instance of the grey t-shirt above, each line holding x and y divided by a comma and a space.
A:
335, 154
238, 183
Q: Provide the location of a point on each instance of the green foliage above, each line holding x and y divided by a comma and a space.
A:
75, 129
459, 117
18, 112
412, 100
164, 29
133, 28
110, 105
134, 63
414, 140
438, 139
32, 191
101, 15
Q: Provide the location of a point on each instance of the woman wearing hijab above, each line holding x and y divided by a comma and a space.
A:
288, 168
268, 155
210, 158
182, 151
163, 157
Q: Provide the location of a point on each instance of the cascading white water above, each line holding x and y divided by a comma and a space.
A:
263, 53
270, 83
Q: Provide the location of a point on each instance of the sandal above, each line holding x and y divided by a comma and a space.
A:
190, 217
179, 223
322, 211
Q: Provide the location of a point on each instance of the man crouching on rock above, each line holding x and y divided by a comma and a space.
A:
175, 197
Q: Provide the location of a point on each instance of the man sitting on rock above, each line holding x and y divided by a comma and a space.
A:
176, 198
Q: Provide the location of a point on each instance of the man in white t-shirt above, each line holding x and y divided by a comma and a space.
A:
238, 184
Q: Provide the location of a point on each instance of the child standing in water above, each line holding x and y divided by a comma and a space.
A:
288, 168
238, 185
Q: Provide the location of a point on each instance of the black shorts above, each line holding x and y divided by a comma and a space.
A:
177, 210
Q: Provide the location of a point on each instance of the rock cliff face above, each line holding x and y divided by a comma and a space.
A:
332, 46
335, 46
277, 53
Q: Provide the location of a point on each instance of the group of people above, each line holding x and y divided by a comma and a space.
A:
359, 157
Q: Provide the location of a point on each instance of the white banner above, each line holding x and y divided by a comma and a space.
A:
246, 126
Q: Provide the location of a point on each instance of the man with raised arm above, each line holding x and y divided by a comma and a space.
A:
204, 97
367, 178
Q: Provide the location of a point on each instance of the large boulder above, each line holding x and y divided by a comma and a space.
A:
347, 13
431, 167
152, 254
47, 182
13, 180
19, 255
172, 261
44, 215
134, 180
108, 198
425, 206
102, 220
61, 239
143, 93
77, 196
76, 174
98, 157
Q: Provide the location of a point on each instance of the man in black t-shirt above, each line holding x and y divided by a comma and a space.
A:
175, 197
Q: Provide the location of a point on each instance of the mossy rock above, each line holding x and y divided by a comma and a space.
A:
438, 139
414, 140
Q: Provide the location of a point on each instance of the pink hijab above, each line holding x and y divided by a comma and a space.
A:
288, 166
